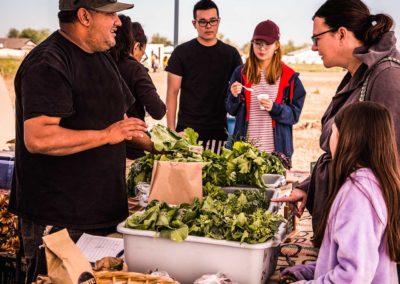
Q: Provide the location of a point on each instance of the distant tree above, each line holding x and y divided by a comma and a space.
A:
246, 48
36, 36
13, 32
221, 37
290, 46
157, 38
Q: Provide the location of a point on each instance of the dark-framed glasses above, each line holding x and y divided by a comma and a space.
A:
211, 22
315, 38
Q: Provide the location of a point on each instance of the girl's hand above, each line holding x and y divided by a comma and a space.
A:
236, 88
267, 104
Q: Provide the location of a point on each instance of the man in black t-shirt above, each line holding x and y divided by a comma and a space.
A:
71, 130
200, 69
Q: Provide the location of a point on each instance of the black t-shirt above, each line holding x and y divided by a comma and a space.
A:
205, 72
85, 190
146, 97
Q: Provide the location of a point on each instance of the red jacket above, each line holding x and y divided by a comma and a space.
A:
287, 73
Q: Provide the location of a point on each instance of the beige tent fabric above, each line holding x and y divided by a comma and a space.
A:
7, 116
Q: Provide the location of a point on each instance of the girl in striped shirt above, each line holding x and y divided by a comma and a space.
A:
265, 95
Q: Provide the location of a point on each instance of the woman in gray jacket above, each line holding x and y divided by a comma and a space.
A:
347, 35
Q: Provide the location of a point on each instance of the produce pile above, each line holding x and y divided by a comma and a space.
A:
9, 242
239, 216
243, 165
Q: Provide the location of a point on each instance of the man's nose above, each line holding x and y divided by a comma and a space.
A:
118, 22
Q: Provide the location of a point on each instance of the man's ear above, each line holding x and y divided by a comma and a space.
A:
194, 23
84, 16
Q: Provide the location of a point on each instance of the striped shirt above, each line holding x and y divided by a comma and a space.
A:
260, 132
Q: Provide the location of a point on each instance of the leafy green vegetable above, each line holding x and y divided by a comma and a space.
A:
166, 139
140, 171
214, 170
179, 234
239, 216
191, 136
243, 165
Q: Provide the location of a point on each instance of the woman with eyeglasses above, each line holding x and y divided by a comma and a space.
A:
128, 52
347, 35
265, 95
359, 232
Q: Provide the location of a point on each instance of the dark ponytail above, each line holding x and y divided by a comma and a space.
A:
355, 16
377, 25
127, 35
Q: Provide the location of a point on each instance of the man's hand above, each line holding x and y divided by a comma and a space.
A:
143, 143
295, 196
126, 129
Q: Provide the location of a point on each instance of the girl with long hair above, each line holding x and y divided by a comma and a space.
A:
359, 232
265, 95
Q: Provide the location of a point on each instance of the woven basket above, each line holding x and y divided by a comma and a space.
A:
119, 277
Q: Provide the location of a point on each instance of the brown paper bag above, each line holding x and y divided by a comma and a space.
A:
176, 182
65, 262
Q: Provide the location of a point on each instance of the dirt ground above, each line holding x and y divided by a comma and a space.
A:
320, 87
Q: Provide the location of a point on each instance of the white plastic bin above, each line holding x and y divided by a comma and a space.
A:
196, 256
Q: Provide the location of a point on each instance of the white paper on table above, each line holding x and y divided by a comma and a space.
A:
96, 247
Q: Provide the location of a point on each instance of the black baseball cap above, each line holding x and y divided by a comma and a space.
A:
107, 6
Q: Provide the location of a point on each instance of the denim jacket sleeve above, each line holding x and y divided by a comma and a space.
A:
232, 103
289, 113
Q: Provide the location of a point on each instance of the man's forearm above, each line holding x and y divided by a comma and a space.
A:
44, 135
59, 141
171, 109
174, 85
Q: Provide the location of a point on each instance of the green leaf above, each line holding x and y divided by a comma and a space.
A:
191, 136
178, 235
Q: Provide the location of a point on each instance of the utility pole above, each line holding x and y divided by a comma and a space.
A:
176, 23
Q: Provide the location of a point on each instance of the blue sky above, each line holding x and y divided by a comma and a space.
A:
238, 17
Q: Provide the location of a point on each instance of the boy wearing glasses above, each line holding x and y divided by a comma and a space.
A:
200, 69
